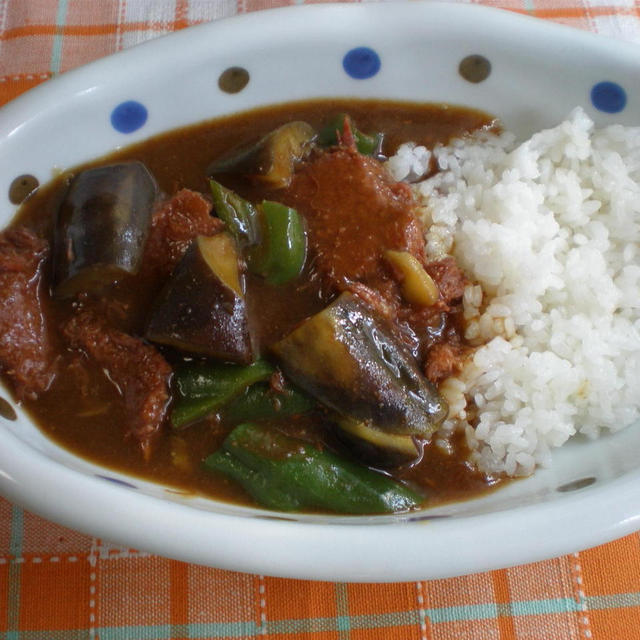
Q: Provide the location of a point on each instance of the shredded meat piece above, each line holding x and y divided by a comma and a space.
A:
78, 372
354, 211
403, 321
115, 312
173, 226
25, 347
139, 372
443, 360
375, 299
449, 278
277, 382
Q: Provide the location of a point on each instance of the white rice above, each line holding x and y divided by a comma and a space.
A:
550, 230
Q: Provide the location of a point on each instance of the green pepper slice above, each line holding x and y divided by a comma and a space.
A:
259, 402
205, 388
282, 252
367, 145
273, 234
255, 483
240, 215
286, 473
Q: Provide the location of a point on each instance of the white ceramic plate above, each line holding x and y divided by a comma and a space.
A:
539, 72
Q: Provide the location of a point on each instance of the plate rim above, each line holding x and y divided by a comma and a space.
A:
212, 538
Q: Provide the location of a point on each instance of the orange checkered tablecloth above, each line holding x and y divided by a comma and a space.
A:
57, 584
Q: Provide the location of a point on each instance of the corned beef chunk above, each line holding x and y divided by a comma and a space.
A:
354, 210
173, 226
139, 372
444, 360
449, 278
25, 349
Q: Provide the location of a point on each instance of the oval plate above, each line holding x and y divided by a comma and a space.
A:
538, 73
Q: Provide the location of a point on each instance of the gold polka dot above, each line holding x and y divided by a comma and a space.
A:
22, 187
475, 68
6, 410
233, 80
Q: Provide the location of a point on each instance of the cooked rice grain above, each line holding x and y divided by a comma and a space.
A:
550, 229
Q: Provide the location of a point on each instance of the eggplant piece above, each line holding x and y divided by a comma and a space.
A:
240, 216
202, 308
380, 449
271, 161
348, 359
101, 227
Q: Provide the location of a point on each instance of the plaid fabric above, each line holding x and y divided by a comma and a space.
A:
56, 584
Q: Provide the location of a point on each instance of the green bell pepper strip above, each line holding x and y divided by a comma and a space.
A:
281, 255
367, 145
202, 389
240, 215
258, 485
285, 473
260, 403
274, 235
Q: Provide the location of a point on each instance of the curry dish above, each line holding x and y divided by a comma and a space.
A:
243, 309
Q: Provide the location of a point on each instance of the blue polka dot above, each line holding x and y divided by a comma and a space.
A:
117, 481
609, 97
361, 63
129, 116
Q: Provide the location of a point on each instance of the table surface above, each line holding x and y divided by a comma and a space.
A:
58, 584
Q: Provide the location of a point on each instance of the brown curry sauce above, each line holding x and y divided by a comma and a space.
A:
91, 426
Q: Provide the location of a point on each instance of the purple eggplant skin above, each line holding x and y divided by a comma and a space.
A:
271, 161
102, 227
202, 309
347, 357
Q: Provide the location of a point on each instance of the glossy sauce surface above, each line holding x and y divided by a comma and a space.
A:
92, 426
